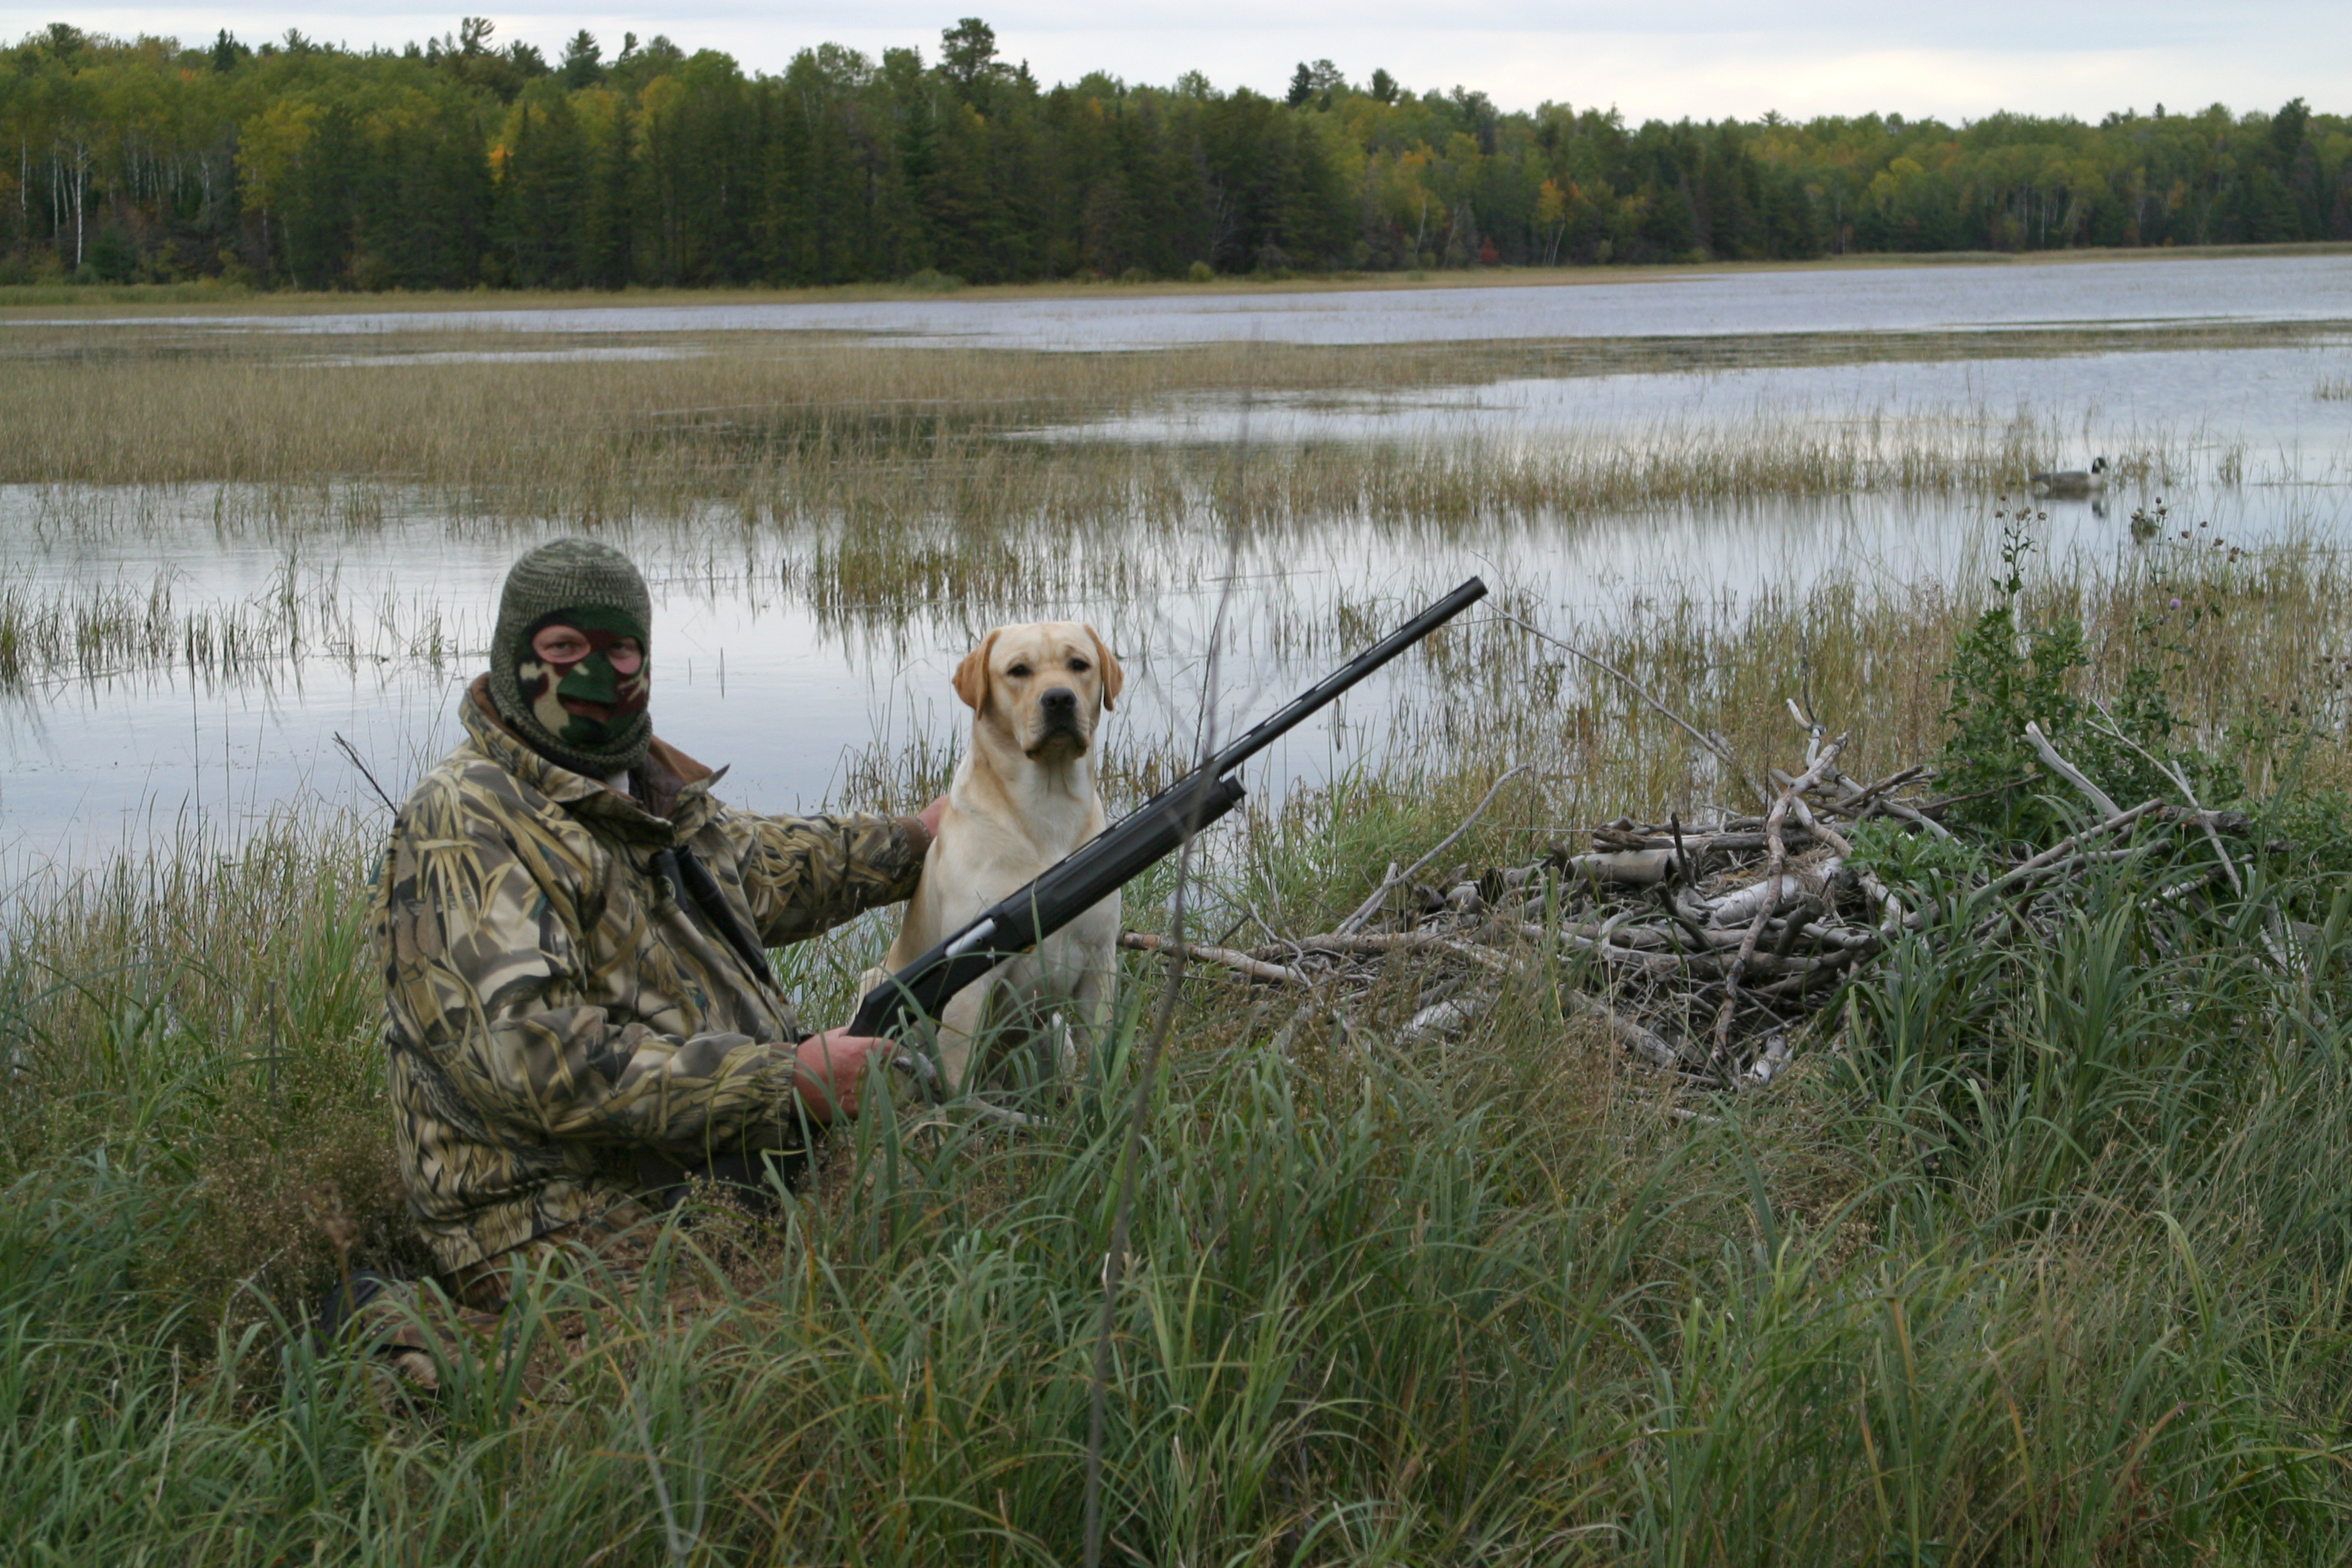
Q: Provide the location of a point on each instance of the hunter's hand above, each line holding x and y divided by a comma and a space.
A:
832, 1066
930, 816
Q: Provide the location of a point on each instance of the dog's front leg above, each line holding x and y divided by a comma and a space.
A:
962, 1023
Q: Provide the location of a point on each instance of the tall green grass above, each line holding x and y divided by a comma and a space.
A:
2037, 1256
2040, 1257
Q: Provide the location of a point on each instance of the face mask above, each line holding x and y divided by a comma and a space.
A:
604, 667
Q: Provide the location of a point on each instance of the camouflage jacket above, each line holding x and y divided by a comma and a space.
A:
551, 1008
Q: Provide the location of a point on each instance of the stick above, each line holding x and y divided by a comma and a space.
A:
1665, 965
1370, 906
1348, 942
1892, 916
352, 751
2115, 823
2271, 933
2173, 771
1860, 802
2068, 770
1478, 954
1644, 1043
1633, 1036
1868, 793
1773, 823
1256, 969
1715, 744
1797, 983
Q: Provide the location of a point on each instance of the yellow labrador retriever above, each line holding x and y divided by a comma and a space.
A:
1023, 798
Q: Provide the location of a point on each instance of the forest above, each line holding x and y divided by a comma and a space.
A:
463, 163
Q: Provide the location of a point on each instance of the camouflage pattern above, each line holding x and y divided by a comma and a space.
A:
551, 1009
413, 1326
567, 580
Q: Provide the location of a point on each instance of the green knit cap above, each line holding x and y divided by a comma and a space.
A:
589, 584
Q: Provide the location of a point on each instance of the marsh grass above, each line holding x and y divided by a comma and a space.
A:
783, 425
95, 631
938, 562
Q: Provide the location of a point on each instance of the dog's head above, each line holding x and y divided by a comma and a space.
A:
1041, 687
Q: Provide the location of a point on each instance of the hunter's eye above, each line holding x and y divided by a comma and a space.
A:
1019, 672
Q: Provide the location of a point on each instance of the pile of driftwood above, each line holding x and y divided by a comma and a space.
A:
1701, 948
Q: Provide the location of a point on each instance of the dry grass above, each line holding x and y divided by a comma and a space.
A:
793, 424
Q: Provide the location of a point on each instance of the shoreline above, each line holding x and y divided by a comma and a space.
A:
133, 302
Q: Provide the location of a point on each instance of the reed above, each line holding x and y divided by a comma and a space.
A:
106, 629
780, 424
935, 563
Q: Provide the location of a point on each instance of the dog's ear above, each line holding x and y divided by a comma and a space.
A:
1113, 678
972, 675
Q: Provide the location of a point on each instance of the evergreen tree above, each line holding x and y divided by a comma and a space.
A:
460, 159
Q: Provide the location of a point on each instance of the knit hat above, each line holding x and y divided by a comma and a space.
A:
591, 586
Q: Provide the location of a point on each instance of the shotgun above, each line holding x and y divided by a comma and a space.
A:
1122, 851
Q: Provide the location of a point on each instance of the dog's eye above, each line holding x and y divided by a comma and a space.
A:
1018, 671
1078, 665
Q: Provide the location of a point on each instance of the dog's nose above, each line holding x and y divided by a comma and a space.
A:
1059, 702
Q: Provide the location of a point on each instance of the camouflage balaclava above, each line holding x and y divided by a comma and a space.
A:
578, 583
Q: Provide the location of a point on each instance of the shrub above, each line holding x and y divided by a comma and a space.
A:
2006, 672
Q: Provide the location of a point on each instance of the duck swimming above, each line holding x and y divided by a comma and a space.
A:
2077, 482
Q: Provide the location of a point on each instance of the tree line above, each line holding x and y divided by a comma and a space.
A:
459, 162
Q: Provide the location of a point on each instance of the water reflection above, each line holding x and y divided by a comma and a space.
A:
750, 672
256, 650
2264, 406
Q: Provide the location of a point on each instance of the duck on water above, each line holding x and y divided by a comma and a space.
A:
2089, 481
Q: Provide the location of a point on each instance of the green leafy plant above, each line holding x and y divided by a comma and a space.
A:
2003, 674
2007, 671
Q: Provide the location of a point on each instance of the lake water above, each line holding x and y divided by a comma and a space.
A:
749, 674
2257, 406
1700, 302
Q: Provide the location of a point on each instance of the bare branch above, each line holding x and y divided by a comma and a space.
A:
2069, 771
1371, 906
1774, 821
1257, 969
1715, 744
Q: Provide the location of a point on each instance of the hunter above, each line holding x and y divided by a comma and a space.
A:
578, 1006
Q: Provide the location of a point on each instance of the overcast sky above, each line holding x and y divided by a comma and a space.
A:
1699, 58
